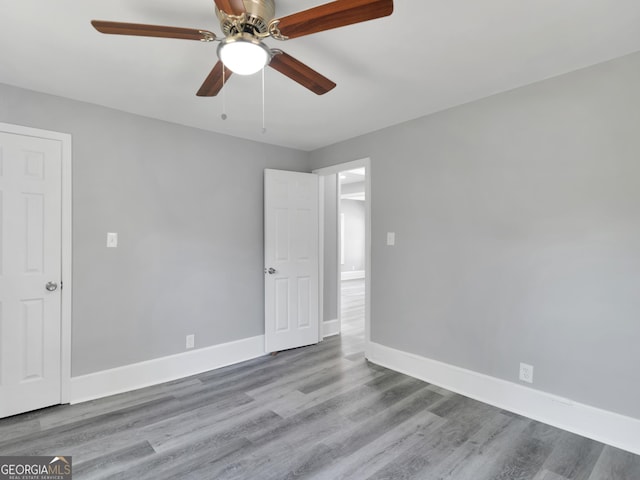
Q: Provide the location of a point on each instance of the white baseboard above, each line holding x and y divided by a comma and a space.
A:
330, 328
353, 275
601, 425
165, 369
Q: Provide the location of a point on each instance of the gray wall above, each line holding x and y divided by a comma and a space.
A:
354, 234
187, 205
517, 223
330, 279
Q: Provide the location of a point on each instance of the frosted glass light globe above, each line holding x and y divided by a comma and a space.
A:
243, 54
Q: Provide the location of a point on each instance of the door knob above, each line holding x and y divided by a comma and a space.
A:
51, 286
270, 271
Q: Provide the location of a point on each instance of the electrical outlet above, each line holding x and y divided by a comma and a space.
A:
526, 373
191, 341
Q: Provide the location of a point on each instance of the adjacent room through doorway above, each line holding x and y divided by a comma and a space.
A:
352, 247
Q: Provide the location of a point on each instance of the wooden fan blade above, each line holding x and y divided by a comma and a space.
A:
333, 15
139, 29
231, 7
299, 72
214, 82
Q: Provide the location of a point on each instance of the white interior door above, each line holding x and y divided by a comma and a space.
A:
30, 272
291, 259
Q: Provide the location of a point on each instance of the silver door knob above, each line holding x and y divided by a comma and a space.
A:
51, 286
270, 271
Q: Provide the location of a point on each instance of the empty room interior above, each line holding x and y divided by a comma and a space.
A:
402, 244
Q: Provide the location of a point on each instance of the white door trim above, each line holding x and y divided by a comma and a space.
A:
334, 170
65, 314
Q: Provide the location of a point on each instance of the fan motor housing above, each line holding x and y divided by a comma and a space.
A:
257, 17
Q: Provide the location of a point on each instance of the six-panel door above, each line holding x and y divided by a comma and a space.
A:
291, 259
30, 260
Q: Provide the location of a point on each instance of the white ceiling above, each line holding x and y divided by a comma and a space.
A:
427, 56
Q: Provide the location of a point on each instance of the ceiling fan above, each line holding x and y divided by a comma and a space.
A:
246, 23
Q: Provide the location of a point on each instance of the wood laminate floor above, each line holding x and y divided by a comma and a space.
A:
352, 308
320, 412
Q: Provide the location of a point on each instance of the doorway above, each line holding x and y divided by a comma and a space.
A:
351, 250
342, 314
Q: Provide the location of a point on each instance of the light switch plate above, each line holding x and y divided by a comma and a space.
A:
391, 238
112, 240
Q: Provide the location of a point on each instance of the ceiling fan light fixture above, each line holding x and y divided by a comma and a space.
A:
244, 54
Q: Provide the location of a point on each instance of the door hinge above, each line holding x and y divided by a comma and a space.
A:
61, 284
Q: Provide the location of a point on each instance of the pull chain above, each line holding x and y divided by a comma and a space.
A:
264, 128
224, 95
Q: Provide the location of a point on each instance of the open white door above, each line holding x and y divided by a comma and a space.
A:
30, 273
291, 259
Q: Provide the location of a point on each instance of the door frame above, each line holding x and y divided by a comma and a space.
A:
335, 170
66, 247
